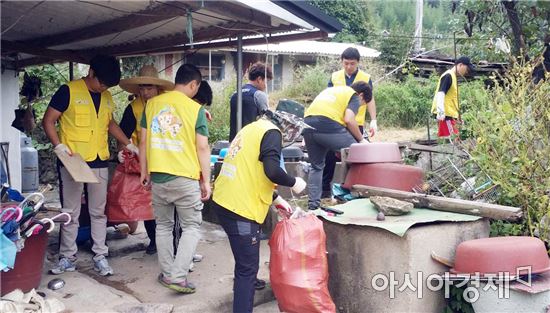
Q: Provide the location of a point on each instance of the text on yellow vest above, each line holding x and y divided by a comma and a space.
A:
171, 139
242, 186
81, 128
332, 103
451, 97
338, 79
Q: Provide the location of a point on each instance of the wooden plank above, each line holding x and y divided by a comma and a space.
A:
75, 165
494, 211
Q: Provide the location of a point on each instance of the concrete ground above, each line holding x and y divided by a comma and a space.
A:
134, 287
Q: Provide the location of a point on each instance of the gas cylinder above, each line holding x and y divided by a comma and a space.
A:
29, 165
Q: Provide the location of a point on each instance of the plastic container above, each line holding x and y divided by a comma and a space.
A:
293, 154
375, 152
291, 106
515, 255
386, 175
29, 166
29, 262
218, 145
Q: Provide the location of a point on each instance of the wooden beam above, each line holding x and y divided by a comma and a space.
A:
233, 43
21, 47
227, 11
128, 22
494, 211
38, 61
142, 47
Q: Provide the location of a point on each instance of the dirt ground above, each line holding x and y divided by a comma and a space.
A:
400, 134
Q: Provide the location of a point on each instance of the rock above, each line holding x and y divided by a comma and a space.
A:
145, 308
390, 206
380, 216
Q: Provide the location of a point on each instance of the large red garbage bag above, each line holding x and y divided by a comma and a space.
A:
298, 267
127, 199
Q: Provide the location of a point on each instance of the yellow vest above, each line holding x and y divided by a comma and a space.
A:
171, 138
339, 79
137, 109
332, 103
451, 97
242, 186
82, 129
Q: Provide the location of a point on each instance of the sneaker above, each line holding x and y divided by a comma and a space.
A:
181, 287
102, 266
122, 228
151, 248
197, 257
64, 265
259, 284
192, 267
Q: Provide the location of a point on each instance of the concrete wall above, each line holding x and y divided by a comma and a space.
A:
356, 254
9, 95
288, 70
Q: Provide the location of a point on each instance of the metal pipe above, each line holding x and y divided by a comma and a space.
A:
71, 71
239, 82
209, 65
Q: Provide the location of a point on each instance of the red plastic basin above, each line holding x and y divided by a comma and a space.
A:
376, 152
501, 255
27, 270
385, 175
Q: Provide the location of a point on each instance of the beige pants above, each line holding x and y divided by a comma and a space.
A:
183, 195
72, 200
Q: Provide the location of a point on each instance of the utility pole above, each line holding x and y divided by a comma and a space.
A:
418, 25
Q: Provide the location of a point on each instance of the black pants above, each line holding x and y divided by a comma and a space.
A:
328, 172
330, 167
244, 238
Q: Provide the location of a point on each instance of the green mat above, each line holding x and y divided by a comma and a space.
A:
362, 212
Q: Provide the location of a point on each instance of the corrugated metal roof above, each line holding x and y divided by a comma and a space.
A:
312, 47
76, 30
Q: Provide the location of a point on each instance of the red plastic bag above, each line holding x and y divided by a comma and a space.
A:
298, 267
127, 199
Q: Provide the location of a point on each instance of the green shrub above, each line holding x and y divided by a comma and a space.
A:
309, 81
220, 110
404, 104
513, 144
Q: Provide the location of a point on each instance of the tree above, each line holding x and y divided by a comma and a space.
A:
528, 21
353, 14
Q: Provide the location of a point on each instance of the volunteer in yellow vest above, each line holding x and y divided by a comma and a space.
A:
445, 102
349, 74
244, 191
332, 116
84, 110
144, 87
175, 160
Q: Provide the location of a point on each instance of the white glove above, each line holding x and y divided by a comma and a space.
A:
282, 204
299, 185
120, 157
440, 101
373, 128
132, 148
61, 148
364, 141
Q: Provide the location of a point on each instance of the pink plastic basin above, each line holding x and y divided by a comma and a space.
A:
376, 152
513, 255
386, 175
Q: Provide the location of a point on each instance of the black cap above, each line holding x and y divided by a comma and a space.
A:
466, 61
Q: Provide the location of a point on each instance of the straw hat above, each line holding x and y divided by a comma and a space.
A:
148, 75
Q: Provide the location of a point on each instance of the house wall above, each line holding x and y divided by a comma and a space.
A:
9, 95
288, 70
